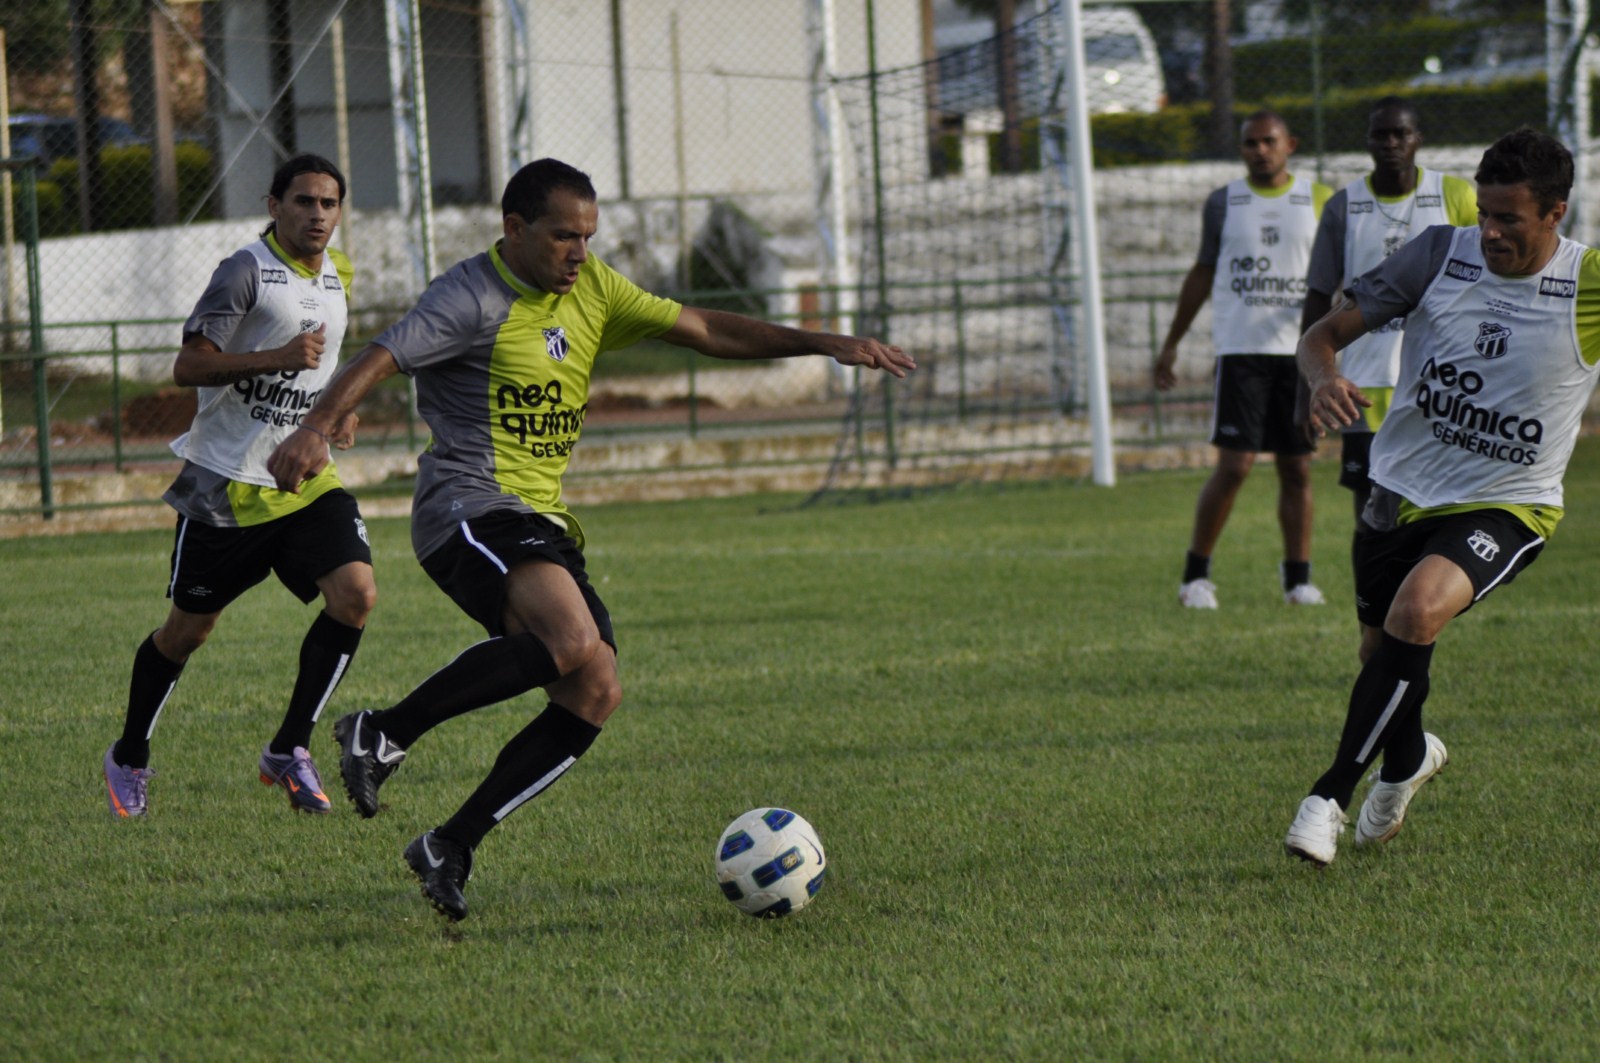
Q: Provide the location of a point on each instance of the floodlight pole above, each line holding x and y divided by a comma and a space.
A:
1081, 161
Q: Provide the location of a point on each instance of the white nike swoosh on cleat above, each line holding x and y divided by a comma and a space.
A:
427, 850
386, 753
355, 740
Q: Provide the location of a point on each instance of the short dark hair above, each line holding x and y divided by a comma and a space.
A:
1396, 103
284, 176
1528, 157
1266, 115
528, 191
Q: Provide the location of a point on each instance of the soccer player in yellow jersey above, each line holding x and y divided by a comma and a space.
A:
262, 341
1497, 364
500, 348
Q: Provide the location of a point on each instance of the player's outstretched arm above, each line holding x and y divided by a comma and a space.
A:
1335, 402
330, 420
719, 334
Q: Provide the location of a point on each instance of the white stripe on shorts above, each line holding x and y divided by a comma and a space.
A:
484, 550
1510, 566
177, 556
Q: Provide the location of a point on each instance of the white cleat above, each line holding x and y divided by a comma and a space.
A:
1314, 834
1383, 813
1198, 594
1304, 594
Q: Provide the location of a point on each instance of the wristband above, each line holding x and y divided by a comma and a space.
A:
316, 432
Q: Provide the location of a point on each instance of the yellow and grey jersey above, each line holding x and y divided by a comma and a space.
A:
258, 298
1259, 243
1359, 229
1495, 373
502, 374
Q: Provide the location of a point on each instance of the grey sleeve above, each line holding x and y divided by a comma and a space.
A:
1211, 218
1395, 286
230, 295
441, 326
1327, 250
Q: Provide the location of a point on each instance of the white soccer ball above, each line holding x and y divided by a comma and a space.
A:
770, 862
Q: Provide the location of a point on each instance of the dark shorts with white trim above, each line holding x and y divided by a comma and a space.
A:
1490, 545
472, 564
1254, 400
213, 566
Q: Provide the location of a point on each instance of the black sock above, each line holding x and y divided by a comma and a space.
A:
534, 759
325, 656
1389, 691
153, 679
1296, 573
482, 674
1195, 567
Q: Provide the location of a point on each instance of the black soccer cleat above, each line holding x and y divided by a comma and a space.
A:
442, 867
366, 758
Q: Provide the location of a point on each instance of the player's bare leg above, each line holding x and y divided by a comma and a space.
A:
1196, 591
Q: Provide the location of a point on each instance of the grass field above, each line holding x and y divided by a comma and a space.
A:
1053, 804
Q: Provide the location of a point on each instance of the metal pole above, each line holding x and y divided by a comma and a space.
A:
1317, 139
10, 306
341, 126
685, 247
881, 312
41, 403
1082, 162
619, 89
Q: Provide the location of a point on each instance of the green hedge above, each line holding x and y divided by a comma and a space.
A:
1349, 60
1450, 115
128, 193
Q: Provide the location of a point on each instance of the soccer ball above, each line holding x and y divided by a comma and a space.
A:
770, 862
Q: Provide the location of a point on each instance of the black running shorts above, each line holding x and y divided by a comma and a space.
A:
1355, 460
212, 566
1490, 545
1255, 404
472, 564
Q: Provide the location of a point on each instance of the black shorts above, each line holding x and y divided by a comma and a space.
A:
1255, 404
472, 564
1355, 460
1490, 545
212, 566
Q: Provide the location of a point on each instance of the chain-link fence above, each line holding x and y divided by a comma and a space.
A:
740, 152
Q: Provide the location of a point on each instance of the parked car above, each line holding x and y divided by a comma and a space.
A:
1123, 68
1487, 55
50, 137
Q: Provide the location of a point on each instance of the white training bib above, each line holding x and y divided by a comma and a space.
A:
237, 426
1374, 230
1492, 385
1260, 280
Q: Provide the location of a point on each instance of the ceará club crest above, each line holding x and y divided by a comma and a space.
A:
555, 343
1491, 341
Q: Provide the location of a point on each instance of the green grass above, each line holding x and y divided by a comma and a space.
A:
1053, 804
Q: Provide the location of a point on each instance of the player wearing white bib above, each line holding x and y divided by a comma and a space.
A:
1365, 222
501, 348
1497, 364
261, 344
1254, 248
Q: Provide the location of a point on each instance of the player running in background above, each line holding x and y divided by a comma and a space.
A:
1365, 222
1497, 364
261, 343
1255, 244
501, 348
